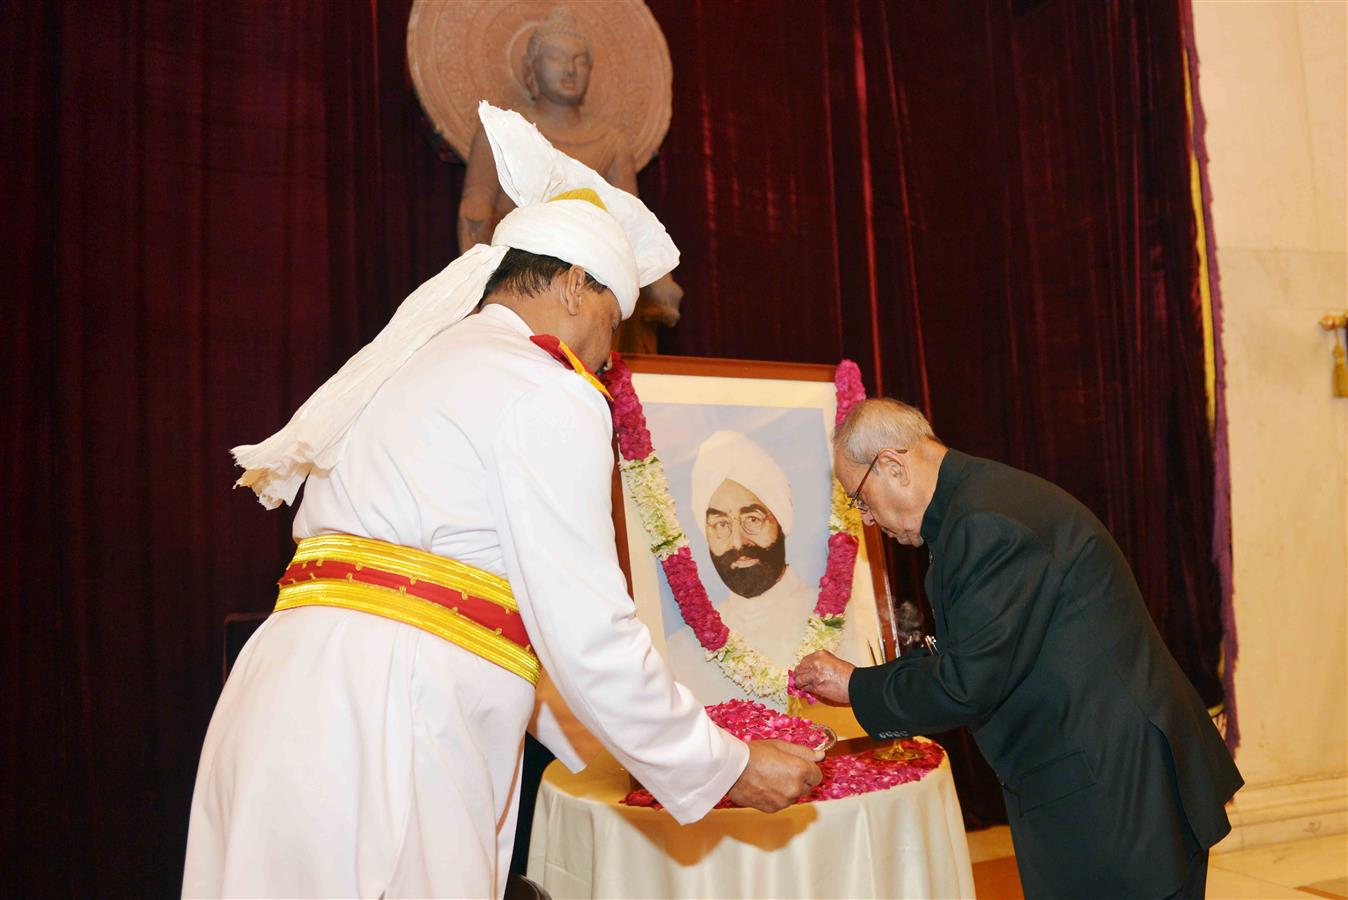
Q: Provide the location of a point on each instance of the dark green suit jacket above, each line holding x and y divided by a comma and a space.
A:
1113, 773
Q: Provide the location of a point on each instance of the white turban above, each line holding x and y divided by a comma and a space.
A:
623, 245
731, 455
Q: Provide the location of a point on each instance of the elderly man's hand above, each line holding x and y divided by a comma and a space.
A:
824, 675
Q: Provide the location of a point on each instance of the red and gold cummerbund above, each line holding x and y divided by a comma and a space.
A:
460, 603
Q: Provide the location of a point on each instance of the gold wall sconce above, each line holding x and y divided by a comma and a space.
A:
1335, 323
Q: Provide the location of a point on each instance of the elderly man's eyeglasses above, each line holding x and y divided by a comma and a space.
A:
752, 523
854, 500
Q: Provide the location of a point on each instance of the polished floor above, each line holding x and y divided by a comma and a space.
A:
1311, 867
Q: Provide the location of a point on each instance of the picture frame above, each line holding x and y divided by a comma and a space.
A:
788, 410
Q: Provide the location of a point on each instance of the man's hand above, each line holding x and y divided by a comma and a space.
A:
778, 774
824, 675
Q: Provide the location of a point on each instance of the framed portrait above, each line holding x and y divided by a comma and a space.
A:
746, 451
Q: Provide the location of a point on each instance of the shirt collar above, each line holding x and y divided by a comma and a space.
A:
954, 469
506, 316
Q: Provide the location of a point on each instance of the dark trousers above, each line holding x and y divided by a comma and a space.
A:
1195, 879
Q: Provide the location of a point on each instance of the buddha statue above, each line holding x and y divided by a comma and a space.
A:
557, 66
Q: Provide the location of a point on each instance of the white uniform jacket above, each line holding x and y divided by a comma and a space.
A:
355, 755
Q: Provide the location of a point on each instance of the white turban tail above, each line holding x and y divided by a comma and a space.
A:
731, 455
623, 245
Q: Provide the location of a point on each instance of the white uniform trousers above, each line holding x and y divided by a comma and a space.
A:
355, 756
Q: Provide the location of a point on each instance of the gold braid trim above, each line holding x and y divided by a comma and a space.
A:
583, 371
406, 561
411, 610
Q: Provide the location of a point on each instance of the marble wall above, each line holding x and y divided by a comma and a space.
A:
1272, 79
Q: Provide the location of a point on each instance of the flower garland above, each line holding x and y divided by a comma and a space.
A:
644, 477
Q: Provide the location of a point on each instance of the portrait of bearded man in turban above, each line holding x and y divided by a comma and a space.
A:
747, 544
745, 526
745, 509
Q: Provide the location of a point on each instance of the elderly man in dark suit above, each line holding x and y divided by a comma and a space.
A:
1114, 776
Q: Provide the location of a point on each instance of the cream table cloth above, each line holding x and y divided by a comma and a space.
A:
904, 842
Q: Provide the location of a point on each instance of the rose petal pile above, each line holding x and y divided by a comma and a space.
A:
844, 776
750, 721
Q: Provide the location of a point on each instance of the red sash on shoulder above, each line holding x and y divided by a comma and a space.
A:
557, 349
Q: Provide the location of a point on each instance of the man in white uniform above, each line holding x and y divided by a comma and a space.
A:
455, 536
744, 501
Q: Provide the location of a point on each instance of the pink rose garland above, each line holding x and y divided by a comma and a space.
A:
634, 443
850, 390
698, 611
835, 588
634, 438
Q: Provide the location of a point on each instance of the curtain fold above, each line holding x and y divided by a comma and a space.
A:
210, 206
213, 205
985, 205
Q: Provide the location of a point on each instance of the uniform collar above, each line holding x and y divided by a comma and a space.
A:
499, 312
954, 469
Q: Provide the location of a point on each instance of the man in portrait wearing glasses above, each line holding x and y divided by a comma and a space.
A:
743, 501
1114, 776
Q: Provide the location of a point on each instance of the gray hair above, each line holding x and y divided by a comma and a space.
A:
876, 424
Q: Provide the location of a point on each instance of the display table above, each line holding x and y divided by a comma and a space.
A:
907, 841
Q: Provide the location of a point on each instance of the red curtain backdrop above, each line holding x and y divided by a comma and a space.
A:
210, 206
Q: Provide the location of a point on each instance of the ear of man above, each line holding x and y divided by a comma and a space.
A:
573, 289
897, 466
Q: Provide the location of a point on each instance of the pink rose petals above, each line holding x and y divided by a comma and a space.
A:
844, 776
793, 691
862, 773
750, 721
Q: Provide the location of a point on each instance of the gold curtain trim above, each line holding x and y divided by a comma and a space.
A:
1201, 245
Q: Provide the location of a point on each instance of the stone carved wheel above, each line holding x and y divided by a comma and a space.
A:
463, 51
